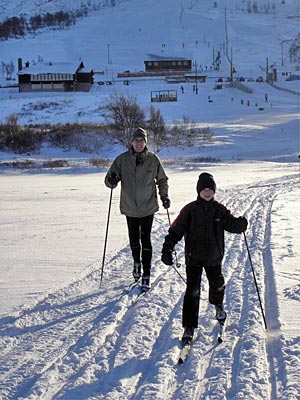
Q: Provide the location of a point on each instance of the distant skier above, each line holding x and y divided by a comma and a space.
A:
202, 223
266, 97
139, 171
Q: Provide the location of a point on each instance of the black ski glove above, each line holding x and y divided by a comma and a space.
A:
243, 223
166, 202
113, 179
166, 257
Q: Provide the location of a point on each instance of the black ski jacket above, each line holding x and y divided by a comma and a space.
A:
203, 224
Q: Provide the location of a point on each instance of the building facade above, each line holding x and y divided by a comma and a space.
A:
167, 64
54, 77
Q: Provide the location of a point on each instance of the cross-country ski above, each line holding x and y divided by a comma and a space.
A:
221, 331
137, 294
184, 351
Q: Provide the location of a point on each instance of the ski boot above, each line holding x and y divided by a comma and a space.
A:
136, 271
220, 313
145, 283
188, 334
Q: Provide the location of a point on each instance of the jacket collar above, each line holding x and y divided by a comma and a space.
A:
205, 203
139, 157
131, 149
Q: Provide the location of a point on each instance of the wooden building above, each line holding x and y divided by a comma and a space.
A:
54, 77
158, 63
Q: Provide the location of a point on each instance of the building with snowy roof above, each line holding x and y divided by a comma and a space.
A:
54, 76
164, 63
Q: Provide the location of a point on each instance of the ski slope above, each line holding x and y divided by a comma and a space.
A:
85, 342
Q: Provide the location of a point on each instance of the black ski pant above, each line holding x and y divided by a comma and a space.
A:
139, 231
192, 295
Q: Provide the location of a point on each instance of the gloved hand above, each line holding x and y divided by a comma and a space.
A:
243, 223
113, 179
166, 257
166, 202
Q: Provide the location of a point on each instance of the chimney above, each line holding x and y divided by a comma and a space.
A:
20, 62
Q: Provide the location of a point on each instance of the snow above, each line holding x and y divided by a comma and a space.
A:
64, 337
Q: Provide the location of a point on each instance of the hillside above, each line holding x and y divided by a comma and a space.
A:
119, 38
114, 39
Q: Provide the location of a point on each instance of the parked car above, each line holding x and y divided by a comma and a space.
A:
260, 79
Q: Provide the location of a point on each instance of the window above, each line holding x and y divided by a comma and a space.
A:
36, 86
47, 86
59, 86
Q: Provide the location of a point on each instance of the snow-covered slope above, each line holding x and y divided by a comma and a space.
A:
114, 39
82, 342
118, 38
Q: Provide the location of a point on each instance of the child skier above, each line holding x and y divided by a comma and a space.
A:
202, 223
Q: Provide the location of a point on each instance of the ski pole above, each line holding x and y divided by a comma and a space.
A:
105, 240
178, 265
179, 274
255, 281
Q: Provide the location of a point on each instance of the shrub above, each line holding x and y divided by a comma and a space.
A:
55, 164
18, 139
83, 137
156, 127
205, 160
188, 133
124, 114
25, 141
99, 162
22, 164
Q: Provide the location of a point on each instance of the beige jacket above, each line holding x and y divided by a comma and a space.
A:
139, 173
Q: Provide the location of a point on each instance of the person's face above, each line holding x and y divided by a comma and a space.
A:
207, 194
138, 145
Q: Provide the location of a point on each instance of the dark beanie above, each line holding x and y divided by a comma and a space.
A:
206, 180
139, 133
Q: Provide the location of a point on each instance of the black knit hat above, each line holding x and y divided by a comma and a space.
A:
139, 133
206, 180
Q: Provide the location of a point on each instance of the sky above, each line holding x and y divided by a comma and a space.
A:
64, 337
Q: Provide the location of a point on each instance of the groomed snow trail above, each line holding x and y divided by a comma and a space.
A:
82, 342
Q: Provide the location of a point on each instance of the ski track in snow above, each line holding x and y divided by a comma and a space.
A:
86, 342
